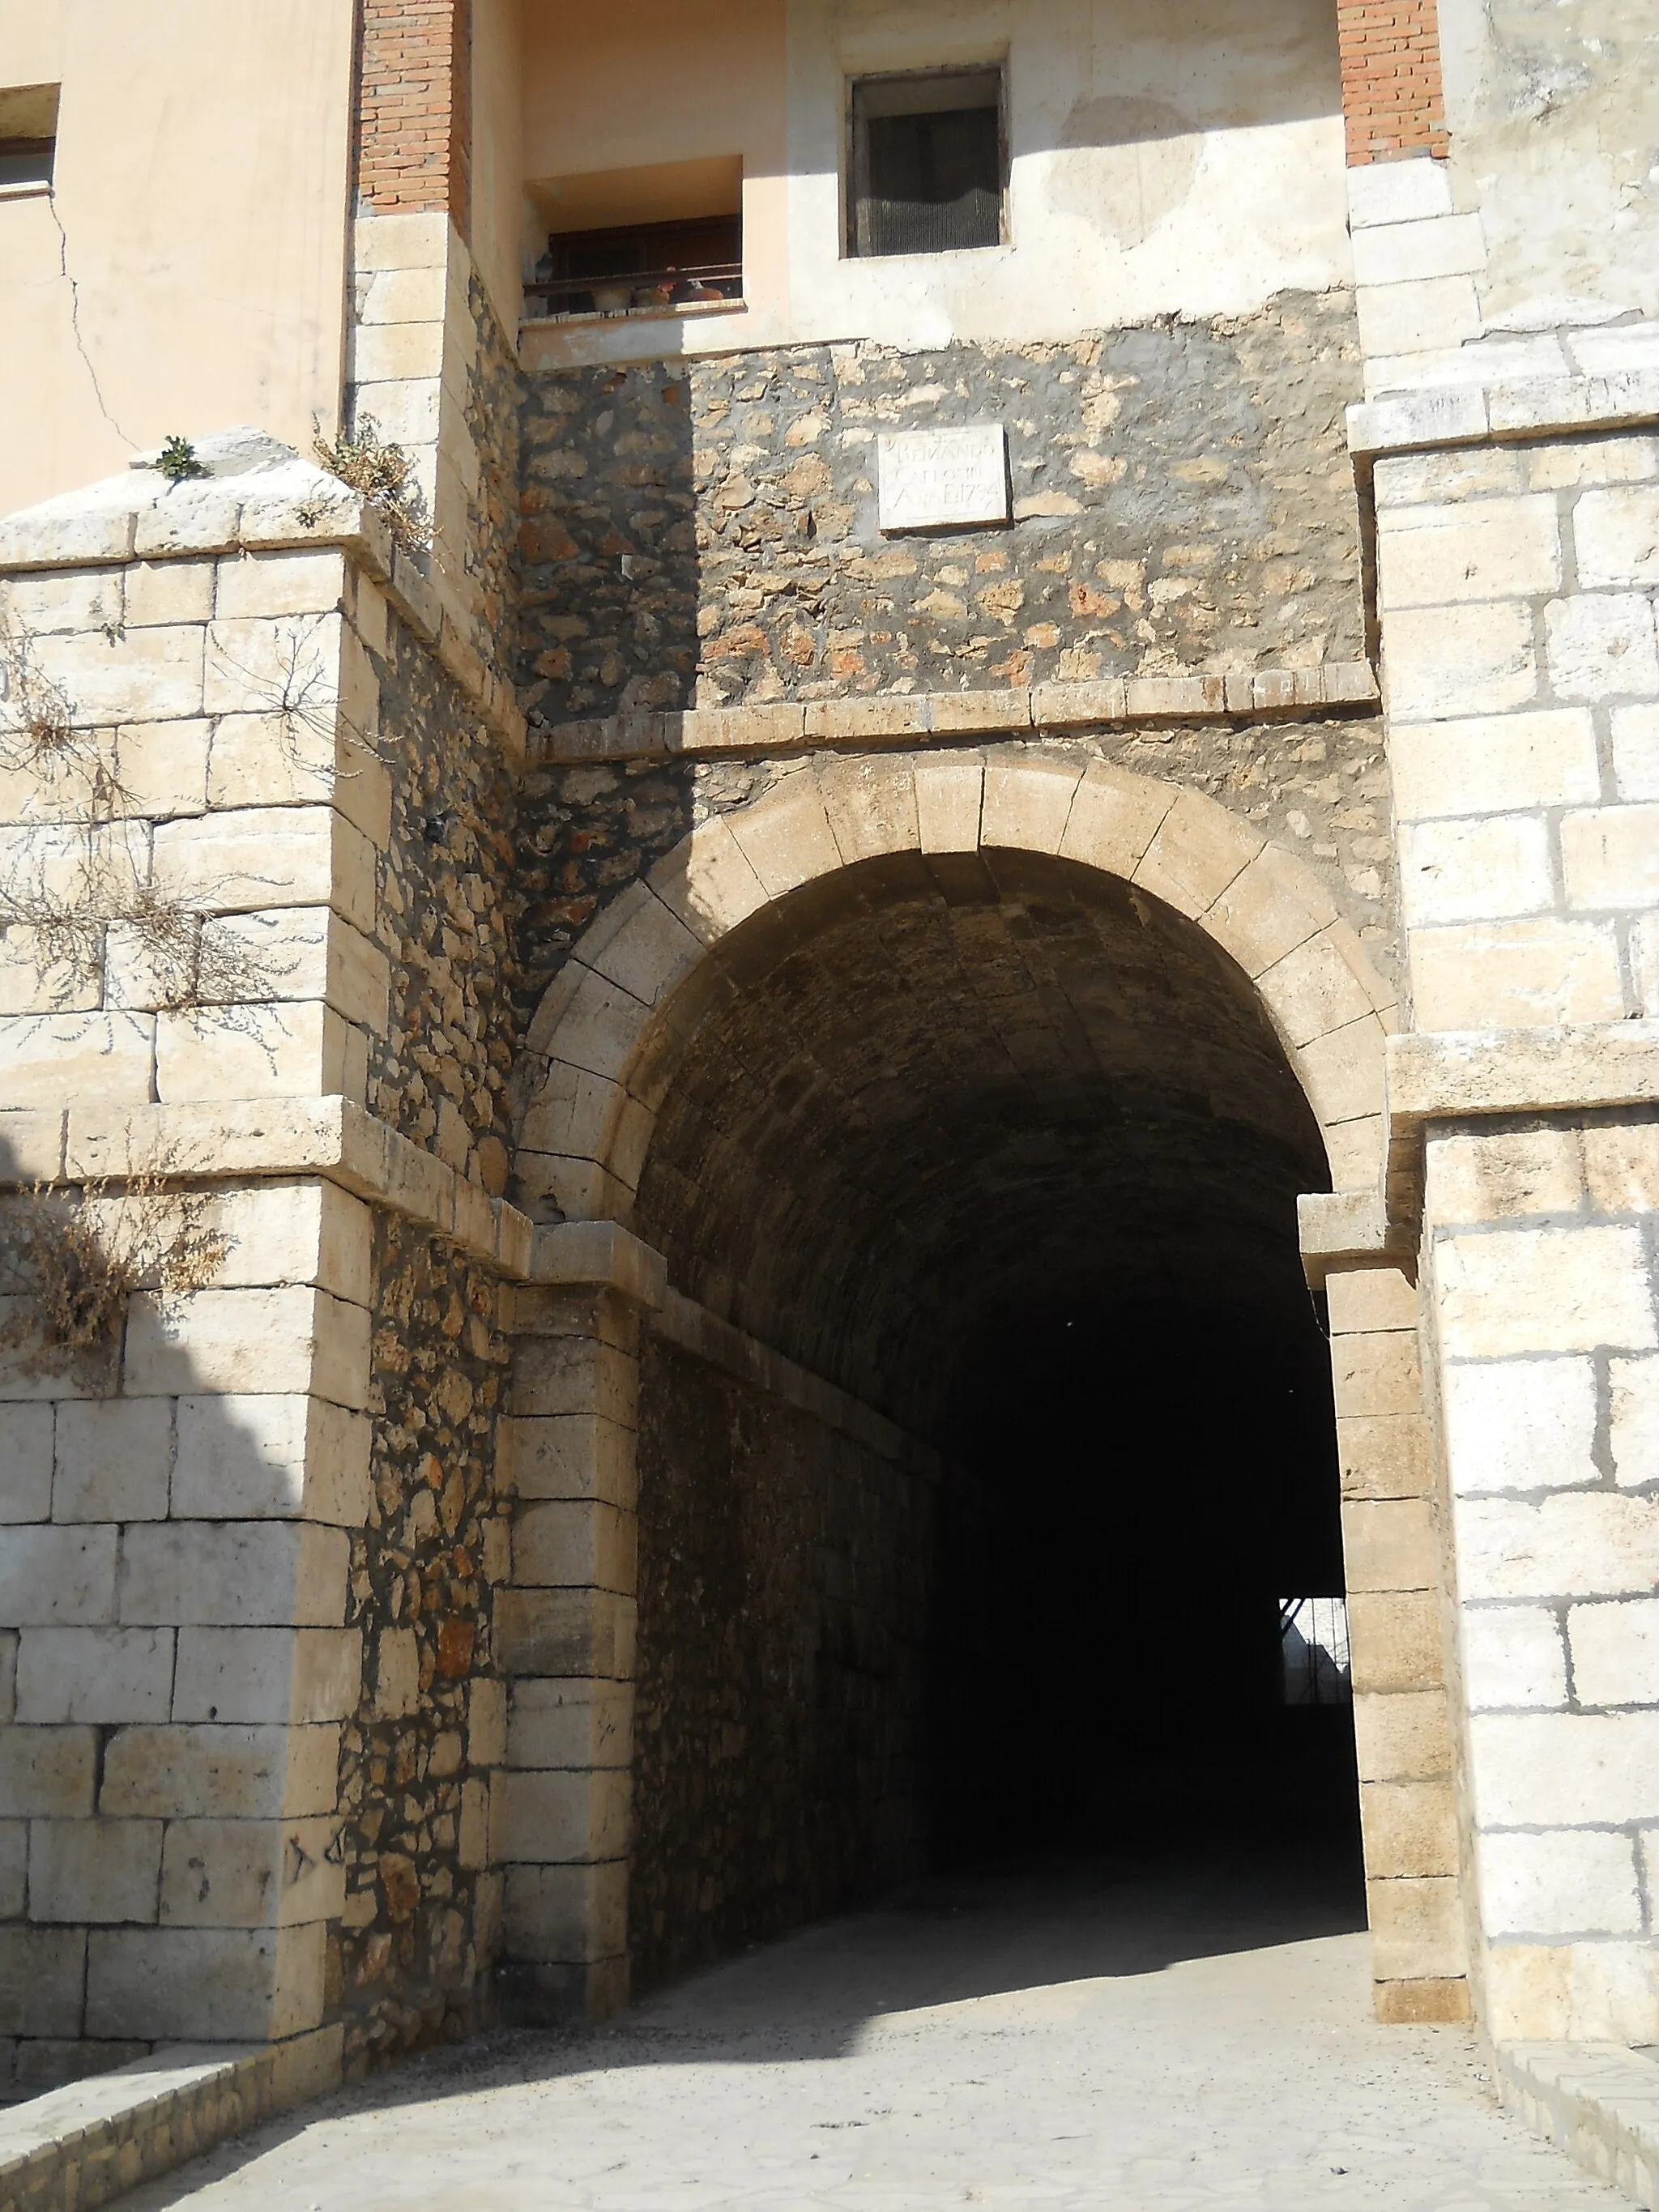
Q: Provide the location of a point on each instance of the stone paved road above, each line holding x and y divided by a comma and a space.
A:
1192, 2038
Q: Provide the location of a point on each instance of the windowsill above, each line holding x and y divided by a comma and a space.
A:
31, 192
940, 253
607, 318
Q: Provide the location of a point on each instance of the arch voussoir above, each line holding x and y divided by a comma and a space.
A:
1027, 804
1272, 905
1197, 850
871, 806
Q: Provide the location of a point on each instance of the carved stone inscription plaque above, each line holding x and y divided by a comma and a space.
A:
944, 479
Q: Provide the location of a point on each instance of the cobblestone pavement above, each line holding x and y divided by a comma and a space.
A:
1192, 2038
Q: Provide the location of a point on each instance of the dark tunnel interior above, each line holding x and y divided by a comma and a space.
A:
1139, 1487
1009, 1152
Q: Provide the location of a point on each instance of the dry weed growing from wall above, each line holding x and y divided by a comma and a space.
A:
179, 957
68, 912
38, 733
299, 694
83, 1253
385, 476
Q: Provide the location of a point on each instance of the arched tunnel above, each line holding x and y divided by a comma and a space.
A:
1008, 1150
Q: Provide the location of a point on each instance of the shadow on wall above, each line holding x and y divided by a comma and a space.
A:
204, 1541
706, 533
609, 575
608, 543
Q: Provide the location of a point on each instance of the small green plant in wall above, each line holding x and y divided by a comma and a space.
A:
177, 461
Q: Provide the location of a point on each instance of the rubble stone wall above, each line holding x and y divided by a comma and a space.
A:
705, 533
422, 1914
787, 1573
438, 1070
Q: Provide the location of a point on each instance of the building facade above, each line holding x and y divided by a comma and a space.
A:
1020, 674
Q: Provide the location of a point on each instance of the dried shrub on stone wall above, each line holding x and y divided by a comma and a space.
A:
383, 474
83, 1252
299, 691
187, 959
37, 730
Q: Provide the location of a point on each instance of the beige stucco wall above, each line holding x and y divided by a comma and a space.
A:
199, 211
666, 81
1178, 158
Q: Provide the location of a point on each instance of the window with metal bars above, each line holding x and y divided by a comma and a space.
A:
928, 163
1313, 1637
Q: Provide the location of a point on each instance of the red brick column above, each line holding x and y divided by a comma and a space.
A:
414, 145
1392, 100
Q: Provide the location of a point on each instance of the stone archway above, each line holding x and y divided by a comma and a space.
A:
629, 1019
606, 1032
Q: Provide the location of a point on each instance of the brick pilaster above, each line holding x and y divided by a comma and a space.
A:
1392, 99
414, 142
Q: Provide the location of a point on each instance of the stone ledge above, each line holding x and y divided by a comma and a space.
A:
691, 1328
1344, 1229
1475, 1074
78, 2146
906, 718
1599, 2101
238, 1138
1479, 1072
600, 1253
1472, 414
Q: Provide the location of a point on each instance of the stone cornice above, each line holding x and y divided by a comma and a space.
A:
290, 507
1479, 414
235, 1140
693, 1328
1467, 1075
906, 719
1474, 1075
238, 1140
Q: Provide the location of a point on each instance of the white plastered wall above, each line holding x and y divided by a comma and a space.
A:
1553, 111
1165, 161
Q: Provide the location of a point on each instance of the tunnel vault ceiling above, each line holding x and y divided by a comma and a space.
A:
923, 1092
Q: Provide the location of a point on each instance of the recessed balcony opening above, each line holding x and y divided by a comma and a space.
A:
666, 239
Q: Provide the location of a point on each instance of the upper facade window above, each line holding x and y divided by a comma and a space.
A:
928, 163
29, 136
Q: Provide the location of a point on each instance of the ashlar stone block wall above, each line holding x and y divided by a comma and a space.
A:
251, 1712
1517, 592
1394, 1548
1516, 533
1542, 1253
